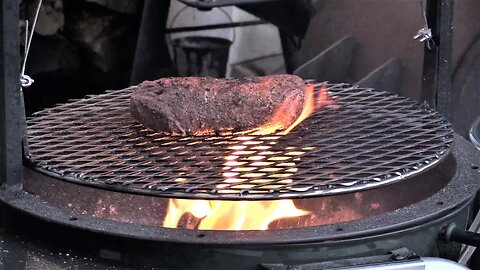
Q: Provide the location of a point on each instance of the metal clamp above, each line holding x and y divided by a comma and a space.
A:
424, 34
26, 80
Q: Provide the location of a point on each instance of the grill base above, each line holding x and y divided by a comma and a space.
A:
134, 254
151, 210
52, 199
131, 253
133, 245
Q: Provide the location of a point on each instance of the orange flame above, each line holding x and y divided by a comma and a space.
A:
308, 109
281, 120
231, 215
241, 169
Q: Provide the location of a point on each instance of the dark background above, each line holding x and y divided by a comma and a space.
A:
93, 48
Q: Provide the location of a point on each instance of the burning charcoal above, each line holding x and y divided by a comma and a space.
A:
193, 105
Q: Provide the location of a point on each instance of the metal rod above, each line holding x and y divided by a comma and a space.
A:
10, 111
215, 26
467, 251
29, 37
213, 4
451, 233
443, 97
465, 237
436, 85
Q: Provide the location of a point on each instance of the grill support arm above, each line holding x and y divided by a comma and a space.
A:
437, 67
11, 120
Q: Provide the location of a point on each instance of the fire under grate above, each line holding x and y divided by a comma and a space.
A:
366, 139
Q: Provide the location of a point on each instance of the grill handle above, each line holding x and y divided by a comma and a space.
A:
452, 233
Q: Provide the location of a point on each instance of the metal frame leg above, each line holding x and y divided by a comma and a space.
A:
437, 67
152, 59
11, 122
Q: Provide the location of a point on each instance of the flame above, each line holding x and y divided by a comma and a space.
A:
282, 118
248, 163
231, 215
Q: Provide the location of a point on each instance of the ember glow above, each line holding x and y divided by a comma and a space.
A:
251, 162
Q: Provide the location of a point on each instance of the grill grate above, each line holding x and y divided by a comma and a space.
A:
368, 138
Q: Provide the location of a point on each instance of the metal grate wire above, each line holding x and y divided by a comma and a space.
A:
368, 138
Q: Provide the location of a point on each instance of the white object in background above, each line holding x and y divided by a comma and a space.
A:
421, 264
251, 42
180, 15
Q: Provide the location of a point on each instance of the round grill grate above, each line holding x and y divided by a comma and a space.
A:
367, 139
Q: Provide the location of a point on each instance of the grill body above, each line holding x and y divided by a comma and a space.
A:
102, 182
416, 226
151, 210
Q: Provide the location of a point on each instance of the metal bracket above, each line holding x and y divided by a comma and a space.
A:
425, 34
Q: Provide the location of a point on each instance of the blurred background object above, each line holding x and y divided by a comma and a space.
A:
86, 46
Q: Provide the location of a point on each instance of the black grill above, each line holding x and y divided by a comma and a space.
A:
368, 138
